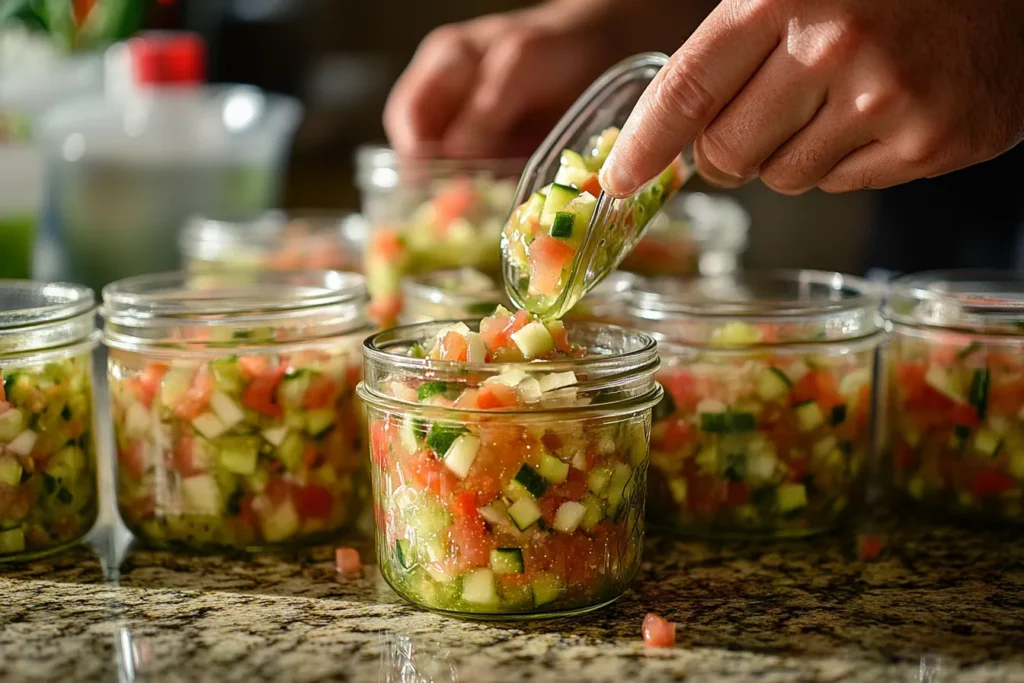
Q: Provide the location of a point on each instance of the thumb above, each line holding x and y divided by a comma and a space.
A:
686, 95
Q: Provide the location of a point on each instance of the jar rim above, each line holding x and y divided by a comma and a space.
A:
210, 238
380, 166
977, 300
39, 316
617, 286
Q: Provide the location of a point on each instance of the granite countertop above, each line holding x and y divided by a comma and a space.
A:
942, 605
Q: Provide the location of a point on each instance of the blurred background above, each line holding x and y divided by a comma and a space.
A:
115, 163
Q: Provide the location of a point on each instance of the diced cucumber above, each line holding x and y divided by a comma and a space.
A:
598, 480
547, 588
227, 375
524, 513
201, 495
558, 197
13, 421
67, 464
987, 442
562, 224
23, 443
459, 458
728, 422
944, 382
290, 451
557, 380
838, 415
408, 435
276, 435
137, 420
507, 561
441, 437
1017, 465
809, 415
594, 513
238, 454
680, 490
573, 160
533, 340
790, 497
320, 421
553, 469
495, 513
530, 480
569, 516
569, 175
428, 390
209, 425
403, 553
978, 396
535, 205
12, 540
736, 333
617, 487
772, 384
228, 411
761, 467
10, 471
291, 392
476, 350
479, 588
280, 523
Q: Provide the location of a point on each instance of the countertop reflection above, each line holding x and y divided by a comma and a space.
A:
943, 605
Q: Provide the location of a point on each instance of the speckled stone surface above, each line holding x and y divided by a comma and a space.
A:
942, 605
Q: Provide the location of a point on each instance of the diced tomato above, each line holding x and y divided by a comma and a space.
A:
277, 491
869, 547
424, 471
387, 244
993, 482
246, 513
385, 308
493, 330
149, 381
198, 396
81, 10
965, 415
560, 335
313, 500
820, 386
310, 455
253, 365
184, 456
904, 456
658, 632
131, 459
261, 393
380, 443
573, 488
737, 494
551, 441
681, 384
347, 561
592, 185
678, 433
454, 201
548, 258
464, 504
474, 544
320, 393
549, 504
3, 394
493, 396
453, 347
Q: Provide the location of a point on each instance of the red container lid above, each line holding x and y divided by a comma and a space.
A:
168, 59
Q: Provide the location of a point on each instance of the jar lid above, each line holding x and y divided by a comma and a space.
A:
758, 308
990, 301
272, 307
36, 315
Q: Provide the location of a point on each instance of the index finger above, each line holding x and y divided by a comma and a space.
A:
699, 80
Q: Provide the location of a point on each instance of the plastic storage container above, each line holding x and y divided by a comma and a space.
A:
48, 475
430, 214
531, 506
234, 409
127, 172
695, 234
274, 241
956, 398
765, 429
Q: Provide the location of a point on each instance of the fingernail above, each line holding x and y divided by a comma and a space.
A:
616, 180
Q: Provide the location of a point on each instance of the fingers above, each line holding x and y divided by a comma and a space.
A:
698, 82
781, 98
431, 91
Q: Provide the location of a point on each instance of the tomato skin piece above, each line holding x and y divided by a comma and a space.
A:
453, 347
658, 632
548, 258
993, 482
313, 501
494, 396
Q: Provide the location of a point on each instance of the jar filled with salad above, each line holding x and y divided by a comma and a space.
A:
235, 418
48, 475
956, 401
509, 459
429, 214
765, 428
273, 241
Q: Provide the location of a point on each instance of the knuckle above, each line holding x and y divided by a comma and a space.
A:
444, 37
924, 147
722, 151
517, 44
683, 91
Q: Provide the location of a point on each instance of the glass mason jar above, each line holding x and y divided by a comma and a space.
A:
468, 293
694, 234
273, 241
48, 476
765, 429
531, 510
429, 214
956, 364
234, 408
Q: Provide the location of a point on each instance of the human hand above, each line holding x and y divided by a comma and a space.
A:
839, 94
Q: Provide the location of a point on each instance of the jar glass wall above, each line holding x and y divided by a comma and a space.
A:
48, 475
956, 364
532, 509
430, 214
766, 425
235, 417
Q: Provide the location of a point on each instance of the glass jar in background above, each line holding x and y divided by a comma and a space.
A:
766, 425
531, 507
48, 470
429, 214
273, 241
956, 364
468, 293
694, 234
234, 410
